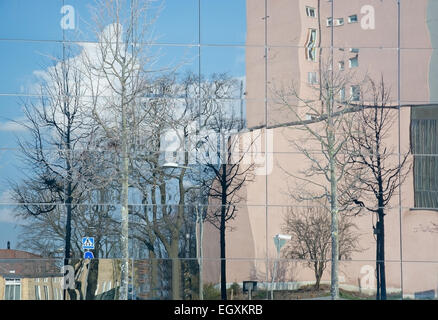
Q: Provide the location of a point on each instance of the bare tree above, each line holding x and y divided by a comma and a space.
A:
324, 120
376, 170
223, 159
55, 158
310, 229
118, 76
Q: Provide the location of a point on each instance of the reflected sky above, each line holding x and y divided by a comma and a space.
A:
31, 38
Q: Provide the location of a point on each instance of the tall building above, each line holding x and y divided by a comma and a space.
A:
291, 47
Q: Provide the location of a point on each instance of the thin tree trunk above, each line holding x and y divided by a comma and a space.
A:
382, 257
154, 274
377, 261
176, 272
68, 206
334, 288
125, 198
222, 236
93, 273
200, 253
335, 236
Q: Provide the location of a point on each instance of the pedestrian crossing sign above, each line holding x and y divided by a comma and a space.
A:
87, 243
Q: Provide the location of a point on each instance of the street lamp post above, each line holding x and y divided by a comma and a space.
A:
279, 241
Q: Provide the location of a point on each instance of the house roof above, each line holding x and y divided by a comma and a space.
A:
17, 254
19, 264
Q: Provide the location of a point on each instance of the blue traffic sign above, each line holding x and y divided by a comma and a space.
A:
88, 255
87, 243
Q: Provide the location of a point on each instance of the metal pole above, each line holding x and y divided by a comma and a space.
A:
275, 267
201, 269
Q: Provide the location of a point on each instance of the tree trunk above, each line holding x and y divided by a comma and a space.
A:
318, 280
124, 200
154, 274
377, 262
176, 272
319, 270
93, 273
68, 203
334, 288
222, 236
201, 257
381, 245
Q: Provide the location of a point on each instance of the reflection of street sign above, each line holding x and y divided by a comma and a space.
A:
88, 255
87, 243
280, 240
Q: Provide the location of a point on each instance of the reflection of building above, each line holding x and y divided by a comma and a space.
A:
298, 38
26, 276
102, 274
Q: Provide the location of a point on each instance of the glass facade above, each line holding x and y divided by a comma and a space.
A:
203, 144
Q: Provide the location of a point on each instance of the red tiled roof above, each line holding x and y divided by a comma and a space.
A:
17, 254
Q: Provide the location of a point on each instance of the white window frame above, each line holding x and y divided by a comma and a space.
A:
46, 293
37, 293
329, 22
311, 44
13, 282
342, 94
352, 97
339, 22
341, 65
312, 77
310, 10
350, 20
350, 62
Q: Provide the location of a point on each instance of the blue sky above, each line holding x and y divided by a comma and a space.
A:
30, 33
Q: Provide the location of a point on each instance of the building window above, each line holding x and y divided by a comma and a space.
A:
329, 22
354, 62
424, 146
342, 94
312, 77
354, 50
341, 65
310, 12
12, 289
311, 45
339, 22
355, 93
46, 293
352, 18
37, 293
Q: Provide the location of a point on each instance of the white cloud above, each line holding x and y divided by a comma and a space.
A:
12, 126
7, 211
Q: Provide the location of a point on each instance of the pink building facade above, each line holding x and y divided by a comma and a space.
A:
289, 45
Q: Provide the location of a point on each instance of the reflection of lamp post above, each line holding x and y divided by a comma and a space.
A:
279, 241
199, 238
199, 251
